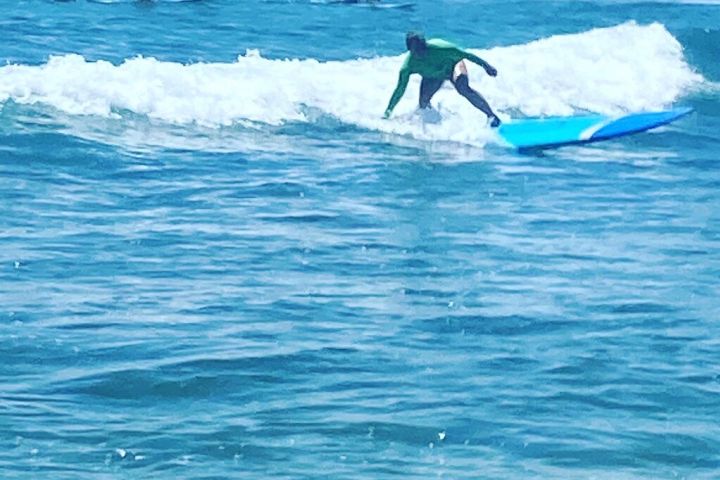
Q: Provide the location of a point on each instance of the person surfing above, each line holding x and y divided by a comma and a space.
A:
436, 61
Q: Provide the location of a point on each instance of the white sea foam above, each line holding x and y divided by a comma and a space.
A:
610, 70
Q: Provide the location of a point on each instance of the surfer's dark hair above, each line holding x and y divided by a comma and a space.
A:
414, 39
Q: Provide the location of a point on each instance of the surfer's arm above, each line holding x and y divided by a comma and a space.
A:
475, 59
403, 79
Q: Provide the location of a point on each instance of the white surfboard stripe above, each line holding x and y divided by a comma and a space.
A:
590, 131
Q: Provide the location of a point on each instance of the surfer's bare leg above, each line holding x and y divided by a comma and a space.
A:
428, 88
461, 82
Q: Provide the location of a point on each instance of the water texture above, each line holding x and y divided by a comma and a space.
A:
218, 261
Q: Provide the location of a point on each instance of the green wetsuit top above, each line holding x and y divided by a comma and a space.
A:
438, 62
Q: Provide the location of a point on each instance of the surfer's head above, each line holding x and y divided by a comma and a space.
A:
416, 43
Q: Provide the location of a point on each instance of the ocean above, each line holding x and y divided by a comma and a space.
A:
219, 262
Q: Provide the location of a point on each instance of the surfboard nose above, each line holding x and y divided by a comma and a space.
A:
639, 122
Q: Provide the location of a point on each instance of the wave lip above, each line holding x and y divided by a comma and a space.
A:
606, 70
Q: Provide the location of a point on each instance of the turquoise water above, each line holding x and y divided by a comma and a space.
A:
220, 263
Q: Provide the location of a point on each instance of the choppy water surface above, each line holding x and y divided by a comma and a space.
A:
219, 262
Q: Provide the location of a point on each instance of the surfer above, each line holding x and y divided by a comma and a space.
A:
436, 61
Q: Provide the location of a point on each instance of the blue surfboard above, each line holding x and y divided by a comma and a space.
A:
376, 4
539, 133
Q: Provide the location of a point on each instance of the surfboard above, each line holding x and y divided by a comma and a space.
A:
394, 6
375, 4
551, 132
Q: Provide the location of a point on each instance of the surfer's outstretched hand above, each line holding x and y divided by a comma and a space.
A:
492, 71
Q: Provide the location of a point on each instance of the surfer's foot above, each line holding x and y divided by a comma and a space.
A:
494, 121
